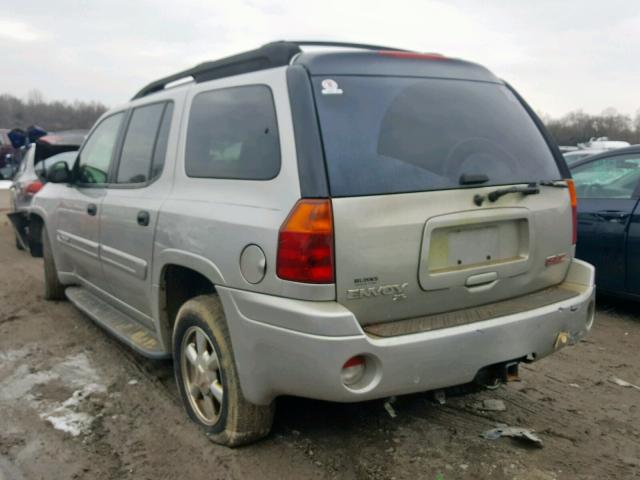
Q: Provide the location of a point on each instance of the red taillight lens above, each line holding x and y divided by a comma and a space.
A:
305, 243
574, 209
33, 187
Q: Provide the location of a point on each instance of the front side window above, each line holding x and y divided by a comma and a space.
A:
95, 158
160, 152
139, 144
233, 133
612, 177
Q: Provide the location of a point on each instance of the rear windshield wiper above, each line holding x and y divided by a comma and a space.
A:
531, 189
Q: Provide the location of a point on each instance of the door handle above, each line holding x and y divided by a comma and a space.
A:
92, 209
612, 215
143, 218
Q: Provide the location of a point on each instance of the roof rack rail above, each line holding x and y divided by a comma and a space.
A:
360, 46
270, 55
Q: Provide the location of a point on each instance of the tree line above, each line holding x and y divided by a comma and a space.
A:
50, 115
578, 127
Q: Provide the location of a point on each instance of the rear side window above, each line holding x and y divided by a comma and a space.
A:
397, 134
233, 133
140, 144
97, 153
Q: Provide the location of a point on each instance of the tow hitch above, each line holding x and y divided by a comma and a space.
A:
493, 376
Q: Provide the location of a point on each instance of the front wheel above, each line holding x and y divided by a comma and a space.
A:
207, 378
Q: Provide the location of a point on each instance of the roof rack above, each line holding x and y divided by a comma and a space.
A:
274, 54
359, 46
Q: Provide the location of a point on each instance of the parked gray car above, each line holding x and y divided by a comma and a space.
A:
29, 178
341, 225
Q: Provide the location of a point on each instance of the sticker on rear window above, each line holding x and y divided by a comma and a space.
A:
330, 87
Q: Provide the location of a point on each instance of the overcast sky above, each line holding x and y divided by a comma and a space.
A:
561, 56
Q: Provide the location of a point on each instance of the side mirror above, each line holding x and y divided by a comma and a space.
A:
58, 173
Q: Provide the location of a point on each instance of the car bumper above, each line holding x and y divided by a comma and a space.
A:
291, 347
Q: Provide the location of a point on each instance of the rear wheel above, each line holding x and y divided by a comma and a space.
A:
207, 378
53, 289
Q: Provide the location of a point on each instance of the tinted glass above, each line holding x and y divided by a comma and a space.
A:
95, 158
613, 177
160, 152
233, 134
390, 134
139, 143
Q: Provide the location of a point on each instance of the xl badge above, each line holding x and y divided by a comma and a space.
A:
395, 291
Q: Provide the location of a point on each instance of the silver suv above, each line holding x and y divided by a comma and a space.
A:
342, 225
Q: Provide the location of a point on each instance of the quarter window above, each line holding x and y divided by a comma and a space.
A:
95, 158
140, 143
233, 133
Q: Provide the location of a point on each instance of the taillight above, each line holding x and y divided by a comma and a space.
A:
574, 209
305, 243
415, 55
33, 187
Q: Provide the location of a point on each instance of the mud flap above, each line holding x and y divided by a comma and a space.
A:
20, 224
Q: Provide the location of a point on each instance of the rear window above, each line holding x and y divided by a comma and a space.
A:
392, 135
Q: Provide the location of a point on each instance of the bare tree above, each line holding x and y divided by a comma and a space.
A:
577, 127
50, 115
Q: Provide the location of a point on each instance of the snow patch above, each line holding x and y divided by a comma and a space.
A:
75, 371
66, 416
13, 355
22, 381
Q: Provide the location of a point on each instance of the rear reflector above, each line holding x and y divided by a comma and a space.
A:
33, 187
574, 209
353, 370
305, 243
419, 56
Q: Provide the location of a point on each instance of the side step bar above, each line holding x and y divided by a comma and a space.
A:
139, 338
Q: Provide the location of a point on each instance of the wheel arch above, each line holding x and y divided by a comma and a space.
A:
36, 230
180, 276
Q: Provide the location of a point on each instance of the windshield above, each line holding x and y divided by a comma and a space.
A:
397, 134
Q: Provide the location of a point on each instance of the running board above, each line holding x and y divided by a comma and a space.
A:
139, 338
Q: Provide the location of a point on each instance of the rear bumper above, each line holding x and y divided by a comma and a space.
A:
291, 347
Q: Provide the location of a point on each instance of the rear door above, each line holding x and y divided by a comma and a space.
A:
131, 205
607, 189
417, 169
78, 227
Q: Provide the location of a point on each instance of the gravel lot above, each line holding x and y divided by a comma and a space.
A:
75, 403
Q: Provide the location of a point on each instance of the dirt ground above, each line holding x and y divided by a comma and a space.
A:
75, 403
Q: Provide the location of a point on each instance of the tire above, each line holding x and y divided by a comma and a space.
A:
226, 416
53, 289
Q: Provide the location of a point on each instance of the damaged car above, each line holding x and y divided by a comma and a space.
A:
29, 179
